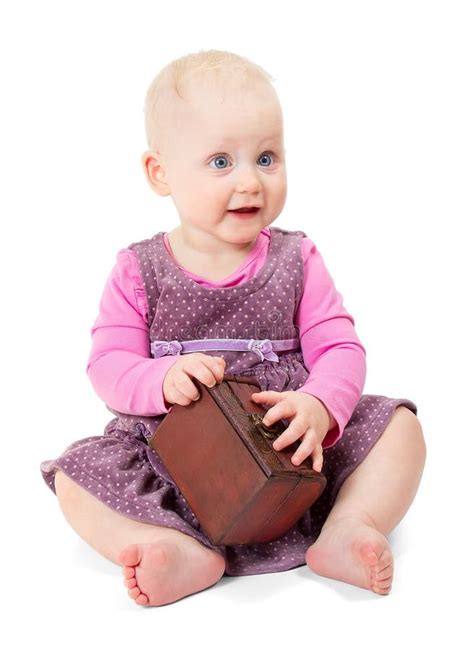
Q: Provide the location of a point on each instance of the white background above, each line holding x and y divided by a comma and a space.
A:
378, 106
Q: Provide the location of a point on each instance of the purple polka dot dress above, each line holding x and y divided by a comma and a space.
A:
122, 471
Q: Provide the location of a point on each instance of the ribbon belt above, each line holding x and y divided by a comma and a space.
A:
262, 348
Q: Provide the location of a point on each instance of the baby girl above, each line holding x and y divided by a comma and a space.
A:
226, 292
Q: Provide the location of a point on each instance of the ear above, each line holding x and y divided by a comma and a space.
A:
155, 172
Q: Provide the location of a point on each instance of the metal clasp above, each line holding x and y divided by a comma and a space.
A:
266, 431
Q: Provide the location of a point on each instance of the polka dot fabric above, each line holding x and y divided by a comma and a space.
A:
120, 469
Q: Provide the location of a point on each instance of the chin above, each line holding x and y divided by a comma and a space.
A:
242, 235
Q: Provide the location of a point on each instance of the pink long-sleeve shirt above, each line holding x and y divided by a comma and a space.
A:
125, 376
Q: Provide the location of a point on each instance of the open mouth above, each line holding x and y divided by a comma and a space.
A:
245, 211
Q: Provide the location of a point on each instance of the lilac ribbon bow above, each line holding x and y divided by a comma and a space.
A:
263, 349
161, 348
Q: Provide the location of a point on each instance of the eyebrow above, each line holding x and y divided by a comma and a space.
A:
222, 144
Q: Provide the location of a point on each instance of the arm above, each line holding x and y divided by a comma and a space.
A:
332, 351
120, 368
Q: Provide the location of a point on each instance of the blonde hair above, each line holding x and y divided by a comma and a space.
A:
170, 85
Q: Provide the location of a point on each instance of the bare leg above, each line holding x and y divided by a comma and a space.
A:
160, 565
352, 546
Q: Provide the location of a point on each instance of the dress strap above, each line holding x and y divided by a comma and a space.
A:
262, 348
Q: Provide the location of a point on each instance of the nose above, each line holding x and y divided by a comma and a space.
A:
248, 180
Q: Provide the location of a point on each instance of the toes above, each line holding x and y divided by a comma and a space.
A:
131, 582
131, 555
138, 597
371, 553
380, 561
378, 558
142, 600
134, 592
128, 572
386, 559
381, 593
382, 586
383, 575
381, 589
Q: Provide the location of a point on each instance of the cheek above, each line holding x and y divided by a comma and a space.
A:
210, 195
195, 191
279, 188
213, 193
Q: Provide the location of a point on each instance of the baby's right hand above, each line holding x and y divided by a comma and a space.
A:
178, 387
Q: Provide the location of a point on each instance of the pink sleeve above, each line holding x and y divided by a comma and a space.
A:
332, 351
120, 366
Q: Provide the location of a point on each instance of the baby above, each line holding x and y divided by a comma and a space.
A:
225, 292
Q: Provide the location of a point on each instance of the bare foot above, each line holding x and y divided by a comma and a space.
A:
352, 551
165, 571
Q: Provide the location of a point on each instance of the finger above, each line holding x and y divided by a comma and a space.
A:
221, 366
293, 433
267, 396
281, 410
318, 465
318, 460
216, 366
184, 385
307, 447
177, 397
204, 373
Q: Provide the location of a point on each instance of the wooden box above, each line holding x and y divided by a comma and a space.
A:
221, 457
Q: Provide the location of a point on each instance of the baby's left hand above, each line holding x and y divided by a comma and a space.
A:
309, 420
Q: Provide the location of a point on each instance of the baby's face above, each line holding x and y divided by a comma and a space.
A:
226, 152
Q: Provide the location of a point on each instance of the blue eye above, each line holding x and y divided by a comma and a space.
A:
219, 158
266, 155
